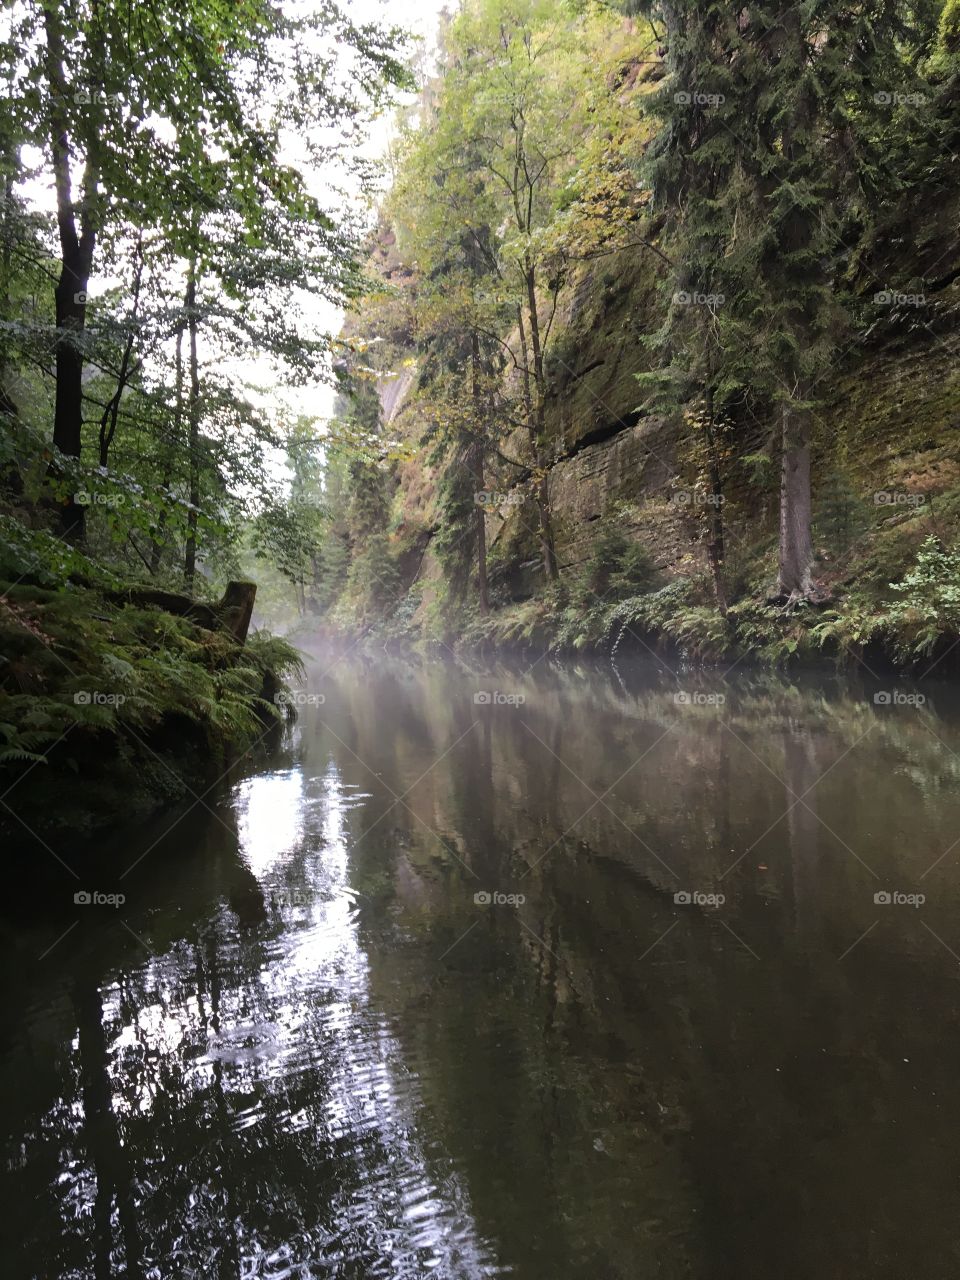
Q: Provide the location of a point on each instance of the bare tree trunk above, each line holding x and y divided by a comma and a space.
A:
193, 421
547, 540
76, 261
476, 467
11, 481
236, 608
715, 543
6, 258
536, 404
796, 542
795, 580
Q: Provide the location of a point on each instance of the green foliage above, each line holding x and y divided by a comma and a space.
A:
89, 689
840, 515
519, 169
180, 230
40, 557
926, 612
374, 577
334, 569
618, 565
764, 166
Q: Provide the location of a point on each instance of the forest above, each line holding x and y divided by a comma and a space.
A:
664, 345
640, 332
480, 639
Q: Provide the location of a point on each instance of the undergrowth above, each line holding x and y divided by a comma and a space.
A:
113, 707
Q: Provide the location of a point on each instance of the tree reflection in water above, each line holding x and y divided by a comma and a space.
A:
302, 1049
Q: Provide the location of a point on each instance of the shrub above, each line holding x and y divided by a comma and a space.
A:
927, 610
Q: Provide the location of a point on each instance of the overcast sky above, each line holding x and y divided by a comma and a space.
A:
421, 19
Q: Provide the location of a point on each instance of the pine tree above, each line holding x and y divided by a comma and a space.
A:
768, 154
691, 169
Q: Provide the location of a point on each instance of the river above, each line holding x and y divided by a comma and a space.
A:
507, 969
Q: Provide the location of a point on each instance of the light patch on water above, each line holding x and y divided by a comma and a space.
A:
269, 813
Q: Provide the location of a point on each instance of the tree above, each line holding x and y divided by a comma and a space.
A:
770, 151
513, 172
691, 167
289, 531
171, 118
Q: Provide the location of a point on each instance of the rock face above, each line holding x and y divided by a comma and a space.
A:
629, 475
635, 466
393, 392
888, 415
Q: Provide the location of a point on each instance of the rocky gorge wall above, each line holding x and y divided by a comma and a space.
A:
888, 420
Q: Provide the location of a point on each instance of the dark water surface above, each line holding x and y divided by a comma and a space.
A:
304, 1046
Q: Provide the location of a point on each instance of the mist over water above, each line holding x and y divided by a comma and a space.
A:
542, 971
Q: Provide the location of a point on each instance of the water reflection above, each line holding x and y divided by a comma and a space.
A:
315, 1042
233, 1105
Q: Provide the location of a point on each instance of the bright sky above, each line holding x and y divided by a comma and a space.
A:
421, 19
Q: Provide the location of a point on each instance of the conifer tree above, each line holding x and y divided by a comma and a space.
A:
773, 116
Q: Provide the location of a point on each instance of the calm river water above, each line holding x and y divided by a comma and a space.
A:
582, 971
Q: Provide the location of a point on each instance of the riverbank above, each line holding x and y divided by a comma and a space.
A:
636, 524
891, 601
112, 706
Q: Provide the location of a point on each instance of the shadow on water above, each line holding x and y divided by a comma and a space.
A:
581, 971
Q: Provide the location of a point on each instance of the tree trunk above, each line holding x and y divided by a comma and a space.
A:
799, 281
715, 543
193, 421
108, 422
796, 543
547, 541
236, 608
76, 260
476, 467
536, 413
11, 481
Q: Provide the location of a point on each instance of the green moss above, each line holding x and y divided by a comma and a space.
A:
108, 710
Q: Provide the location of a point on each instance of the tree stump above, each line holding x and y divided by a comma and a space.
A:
236, 608
232, 614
